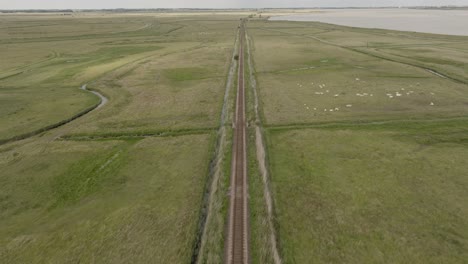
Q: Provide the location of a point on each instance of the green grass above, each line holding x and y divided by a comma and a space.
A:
44, 92
260, 245
164, 93
260, 233
126, 182
380, 181
108, 202
88, 176
371, 195
23, 110
311, 81
212, 246
159, 69
187, 74
447, 54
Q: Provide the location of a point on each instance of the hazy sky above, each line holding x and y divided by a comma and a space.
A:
83, 4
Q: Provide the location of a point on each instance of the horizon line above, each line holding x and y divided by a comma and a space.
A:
227, 8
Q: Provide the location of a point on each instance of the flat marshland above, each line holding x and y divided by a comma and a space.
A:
365, 136
125, 182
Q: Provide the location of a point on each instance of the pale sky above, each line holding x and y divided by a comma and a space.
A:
97, 4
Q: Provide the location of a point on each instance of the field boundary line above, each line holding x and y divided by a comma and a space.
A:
351, 124
123, 135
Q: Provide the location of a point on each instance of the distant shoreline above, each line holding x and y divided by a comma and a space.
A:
432, 21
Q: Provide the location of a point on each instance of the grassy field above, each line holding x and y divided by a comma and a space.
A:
312, 81
169, 92
156, 68
393, 193
126, 182
102, 201
366, 147
42, 71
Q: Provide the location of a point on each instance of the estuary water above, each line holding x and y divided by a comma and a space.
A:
448, 22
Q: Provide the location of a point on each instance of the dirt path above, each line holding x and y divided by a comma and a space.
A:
104, 99
261, 158
436, 73
237, 249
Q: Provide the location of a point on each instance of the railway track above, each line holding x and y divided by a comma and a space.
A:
237, 250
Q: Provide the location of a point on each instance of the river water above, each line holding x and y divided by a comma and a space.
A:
448, 22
